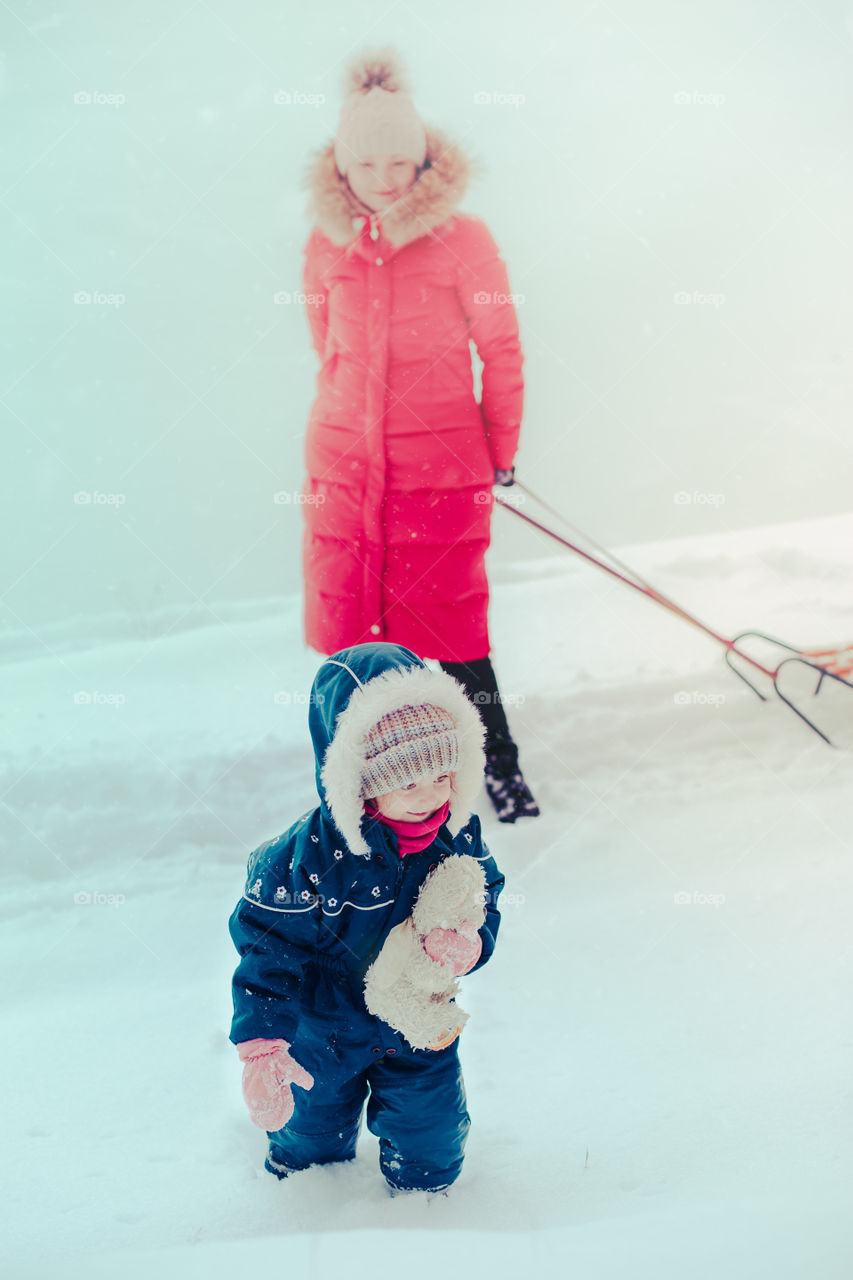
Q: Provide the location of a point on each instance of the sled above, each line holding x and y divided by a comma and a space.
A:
814, 670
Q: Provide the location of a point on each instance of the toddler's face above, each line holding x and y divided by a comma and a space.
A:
416, 801
379, 180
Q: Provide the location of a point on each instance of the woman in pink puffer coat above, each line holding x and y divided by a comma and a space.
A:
401, 457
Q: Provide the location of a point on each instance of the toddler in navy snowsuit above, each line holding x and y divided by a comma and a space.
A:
399, 762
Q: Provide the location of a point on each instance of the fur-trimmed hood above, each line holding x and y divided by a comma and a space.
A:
351, 691
431, 200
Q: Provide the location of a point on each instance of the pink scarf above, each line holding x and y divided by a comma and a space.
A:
414, 836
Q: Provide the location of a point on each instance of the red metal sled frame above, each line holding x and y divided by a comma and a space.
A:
731, 646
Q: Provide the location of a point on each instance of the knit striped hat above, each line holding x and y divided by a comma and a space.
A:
378, 113
406, 745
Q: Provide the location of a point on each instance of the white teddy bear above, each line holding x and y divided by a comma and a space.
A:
404, 986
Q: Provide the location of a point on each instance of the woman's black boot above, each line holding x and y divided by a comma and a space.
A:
505, 785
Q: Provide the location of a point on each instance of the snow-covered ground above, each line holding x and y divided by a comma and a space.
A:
658, 1061
659, 1056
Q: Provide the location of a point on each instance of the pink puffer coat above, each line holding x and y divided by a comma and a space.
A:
400, 456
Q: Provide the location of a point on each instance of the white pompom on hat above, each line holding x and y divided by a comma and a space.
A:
378, 114
407, 744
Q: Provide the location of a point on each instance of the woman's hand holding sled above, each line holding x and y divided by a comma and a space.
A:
268, 1073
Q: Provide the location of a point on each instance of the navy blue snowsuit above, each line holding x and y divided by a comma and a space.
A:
313, 917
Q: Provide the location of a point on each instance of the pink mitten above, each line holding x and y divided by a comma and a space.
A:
267, 1076
461, 948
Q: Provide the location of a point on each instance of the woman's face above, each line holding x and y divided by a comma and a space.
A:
379, 180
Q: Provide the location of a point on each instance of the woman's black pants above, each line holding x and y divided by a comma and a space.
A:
479, 681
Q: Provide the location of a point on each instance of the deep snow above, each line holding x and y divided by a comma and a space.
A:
659, 1055
658, 1060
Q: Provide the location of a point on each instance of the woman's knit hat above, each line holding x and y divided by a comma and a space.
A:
406, 745
378, 114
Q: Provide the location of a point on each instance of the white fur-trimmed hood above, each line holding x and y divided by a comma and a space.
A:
352, 690
432, 199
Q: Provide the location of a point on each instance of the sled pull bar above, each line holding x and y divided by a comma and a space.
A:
645, 589
632, 579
